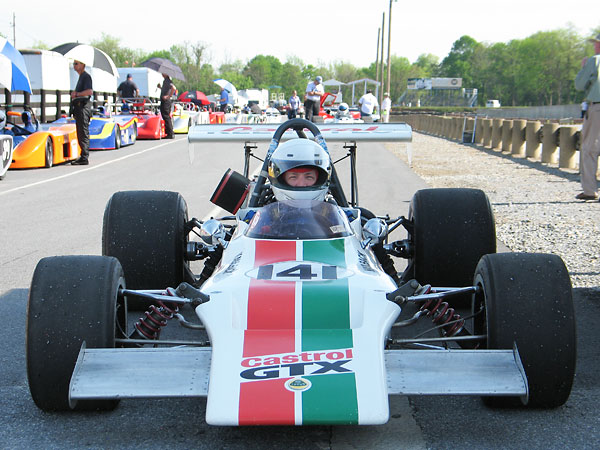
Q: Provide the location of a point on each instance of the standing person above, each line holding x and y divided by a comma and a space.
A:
82, 111
128, 89
312, 103
588, 80
294, 103
386, 107
166, 91
224, 100
584, 108
367, 104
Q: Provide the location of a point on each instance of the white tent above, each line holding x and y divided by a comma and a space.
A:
334, 82
364, 82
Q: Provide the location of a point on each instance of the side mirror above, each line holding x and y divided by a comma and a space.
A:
213, 233
374, 231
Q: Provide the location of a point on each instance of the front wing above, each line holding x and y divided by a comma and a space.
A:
140, 373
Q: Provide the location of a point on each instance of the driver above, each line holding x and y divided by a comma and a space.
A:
300, 169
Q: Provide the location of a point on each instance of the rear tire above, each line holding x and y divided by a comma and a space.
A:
145, 231
49, 153
527, 300
72, 299
453, 229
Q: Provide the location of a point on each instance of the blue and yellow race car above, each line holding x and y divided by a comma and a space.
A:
109, 132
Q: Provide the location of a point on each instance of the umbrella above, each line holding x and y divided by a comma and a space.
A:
13, 72
227, 86
196, 97
165, 66
90, 56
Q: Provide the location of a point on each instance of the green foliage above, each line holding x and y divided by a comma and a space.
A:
537, 70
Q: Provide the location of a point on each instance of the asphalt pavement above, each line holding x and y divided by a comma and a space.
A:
46, 212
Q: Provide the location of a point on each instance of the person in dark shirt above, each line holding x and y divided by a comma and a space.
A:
128, 89
82, 111
166, 91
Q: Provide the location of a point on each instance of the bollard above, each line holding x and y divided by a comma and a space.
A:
518, 138
457, 126
507, 126
478, 131
532, 135
567, 154
496, 133
445, 126
486, 124
549, 144
438, 125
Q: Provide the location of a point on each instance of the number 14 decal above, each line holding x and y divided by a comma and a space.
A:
298, 272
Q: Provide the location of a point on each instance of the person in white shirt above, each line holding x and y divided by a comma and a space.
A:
312, 103
386, 107
367, 104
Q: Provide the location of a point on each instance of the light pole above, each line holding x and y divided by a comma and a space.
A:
380, 77
389, 62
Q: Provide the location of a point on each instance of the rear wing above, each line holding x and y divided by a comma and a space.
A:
340, 132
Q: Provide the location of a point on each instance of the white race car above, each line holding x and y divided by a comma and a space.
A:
298, 304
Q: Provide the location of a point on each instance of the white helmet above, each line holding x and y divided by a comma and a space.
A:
298, 153
343, 107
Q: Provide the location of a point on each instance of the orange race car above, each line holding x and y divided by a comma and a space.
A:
40, 145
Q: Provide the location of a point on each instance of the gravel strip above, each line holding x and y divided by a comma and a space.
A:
533, 203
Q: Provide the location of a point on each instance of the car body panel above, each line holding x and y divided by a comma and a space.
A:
183, 120
103, 130
150, 124
6, 151
30, 151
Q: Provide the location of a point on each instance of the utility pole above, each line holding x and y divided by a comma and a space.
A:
377, 58
380, 78
389, 61
14, 32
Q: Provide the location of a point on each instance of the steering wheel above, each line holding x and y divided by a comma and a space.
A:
298, 125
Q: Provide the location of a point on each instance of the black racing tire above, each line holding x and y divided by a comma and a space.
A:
527, 299
145, 231
49, 153
117, 136
452, 230
72, 299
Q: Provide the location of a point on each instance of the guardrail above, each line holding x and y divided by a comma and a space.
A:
549, 142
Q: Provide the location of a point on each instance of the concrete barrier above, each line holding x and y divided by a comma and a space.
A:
486, 124
533, 148
567, 158
549, 142
496, 133
478, 131
518, 138
507, 126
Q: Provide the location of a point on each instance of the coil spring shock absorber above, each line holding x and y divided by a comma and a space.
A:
450, 322
149, 326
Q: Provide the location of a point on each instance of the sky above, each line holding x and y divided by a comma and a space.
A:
317, 32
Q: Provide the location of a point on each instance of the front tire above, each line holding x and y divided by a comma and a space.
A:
72, 299
145, 231
527, 301
453, 229
117, 137
49, 153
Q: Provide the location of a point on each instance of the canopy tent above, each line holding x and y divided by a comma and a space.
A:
334, 82
364, 82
